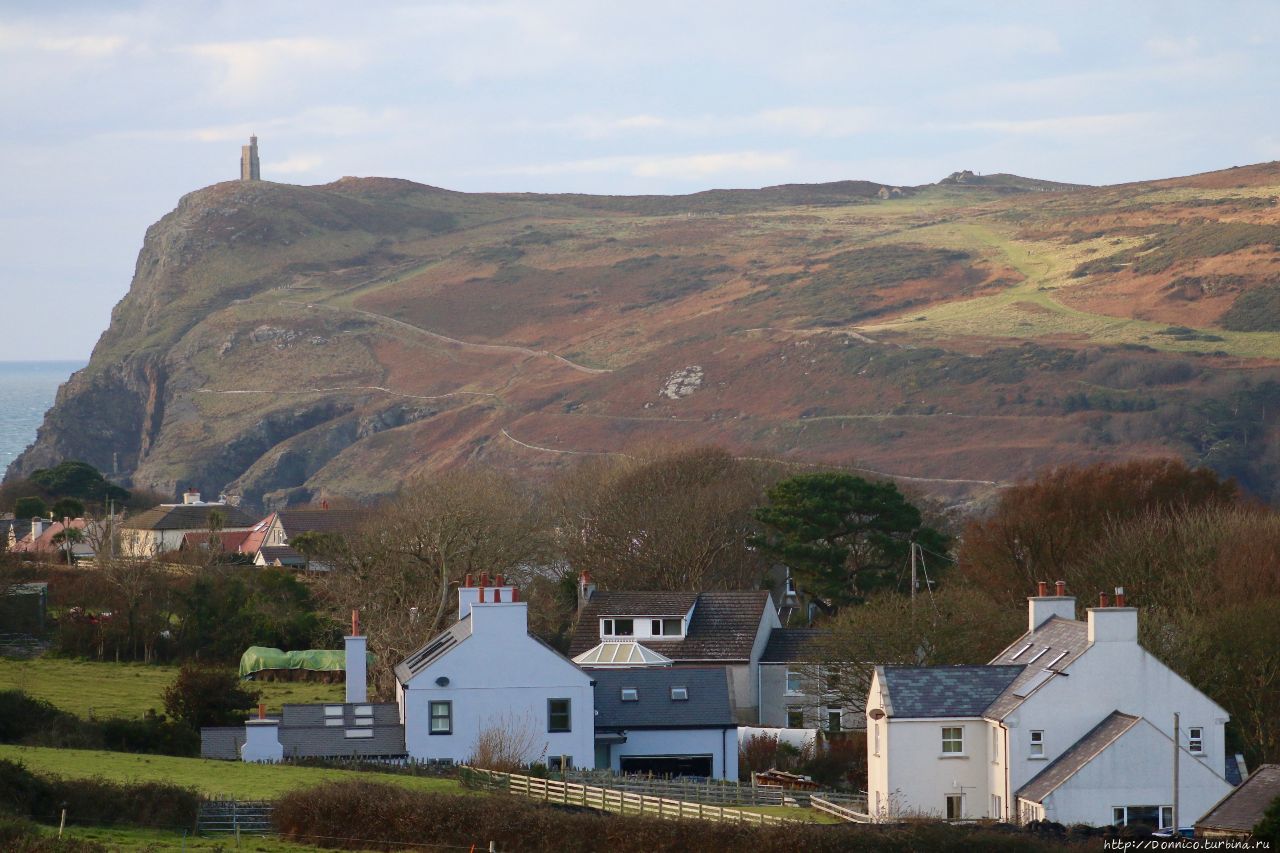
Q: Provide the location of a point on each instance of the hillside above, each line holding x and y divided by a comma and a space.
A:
286, 343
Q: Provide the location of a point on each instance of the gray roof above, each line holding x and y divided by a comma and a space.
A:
943, 691
295, 521
1240, 810
188, 517
304, 733
286, 555
723, 627
707, 705
1077, 756
795, 645
439, 645
1055, 634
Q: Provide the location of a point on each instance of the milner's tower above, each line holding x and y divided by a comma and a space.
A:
249, 168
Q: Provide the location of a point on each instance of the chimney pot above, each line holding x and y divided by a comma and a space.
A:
515, 594
262, 711
355, 623
497, 595
469, 580
1120, 596
1061, 587
484, 579
1102, 600
1042, 589
498, 580
482, 590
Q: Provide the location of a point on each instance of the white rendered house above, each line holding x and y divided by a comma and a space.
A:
489, 672
1072, 723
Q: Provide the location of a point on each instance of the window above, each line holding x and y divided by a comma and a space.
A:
955, 806
833, 719
630, 694
1060, 656
995, 746
1195, 739
1156, 817
876, 726
952, 740
667, 627
1038, 655
558, 763
617, 627
679, 694
997, 807
558, 715
441, 718
795, 719
1036, 749
1020, 652
791, 585
793, 683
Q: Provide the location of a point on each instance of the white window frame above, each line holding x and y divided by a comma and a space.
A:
799, 711
952, 741
679, 694
836, 714
795, 690
1120, 815
658, 627
1195, 740
630, 694
959, 800
1035, 749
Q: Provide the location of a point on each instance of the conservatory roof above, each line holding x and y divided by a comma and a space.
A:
627, 653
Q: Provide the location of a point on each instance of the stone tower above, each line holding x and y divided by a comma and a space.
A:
249, 168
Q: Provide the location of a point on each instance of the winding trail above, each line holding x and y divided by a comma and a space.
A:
510, 348
354, 388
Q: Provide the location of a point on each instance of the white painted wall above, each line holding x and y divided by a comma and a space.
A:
920, 775
262, 741
720, 744
500, 675
1136, 770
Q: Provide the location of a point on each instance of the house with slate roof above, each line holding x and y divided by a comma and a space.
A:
164, 527
1073, 723
268, 542
794, 682
724, 629
1236, 814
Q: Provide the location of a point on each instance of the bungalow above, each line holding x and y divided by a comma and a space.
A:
1073, 722
163, 528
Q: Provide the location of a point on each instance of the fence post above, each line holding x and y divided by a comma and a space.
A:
62, 821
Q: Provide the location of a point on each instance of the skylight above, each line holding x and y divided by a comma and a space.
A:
679, 694
1019, 653
630, 694
1038, 655
1055, 660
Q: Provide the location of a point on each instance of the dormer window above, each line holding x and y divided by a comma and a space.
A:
667, 628
630, 694
617, 627
679, 694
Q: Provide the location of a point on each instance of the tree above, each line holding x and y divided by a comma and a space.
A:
1039, 530
74, 479
842, 536
208, 696
677, 520
67, 538
1268, 829
30, 507
67, 508
405, 561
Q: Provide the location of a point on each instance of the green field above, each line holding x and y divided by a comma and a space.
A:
213, 778
161, 841
127, 689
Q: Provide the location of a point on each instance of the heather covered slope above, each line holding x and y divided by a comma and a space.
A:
285, 342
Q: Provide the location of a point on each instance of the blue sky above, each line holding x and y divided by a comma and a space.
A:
114, 110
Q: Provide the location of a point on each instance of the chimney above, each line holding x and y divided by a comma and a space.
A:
1102, 600
1118, 624
469, 595
356, 662
1041, 608
191, 496
507, 618
586, 589
37, 527
262, 739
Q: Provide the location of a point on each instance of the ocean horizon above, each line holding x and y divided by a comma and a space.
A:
27, 389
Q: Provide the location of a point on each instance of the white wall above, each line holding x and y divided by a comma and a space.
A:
1136, 770
720, 744
921, 776
500, 675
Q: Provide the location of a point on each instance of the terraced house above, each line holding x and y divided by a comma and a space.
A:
1073, 722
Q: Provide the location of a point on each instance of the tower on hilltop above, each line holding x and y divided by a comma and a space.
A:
250, 170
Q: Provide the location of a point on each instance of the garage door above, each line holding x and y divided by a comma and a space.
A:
667, 765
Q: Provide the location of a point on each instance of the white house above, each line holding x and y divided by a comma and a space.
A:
1073, 723
488, 672
163, 528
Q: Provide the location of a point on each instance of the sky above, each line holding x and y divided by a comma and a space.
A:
114, 110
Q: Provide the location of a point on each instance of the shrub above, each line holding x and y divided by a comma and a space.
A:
35, 722
208, 696
506, 744
95, 801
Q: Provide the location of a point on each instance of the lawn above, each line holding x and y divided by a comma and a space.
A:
161, 841
128, 689
213, 778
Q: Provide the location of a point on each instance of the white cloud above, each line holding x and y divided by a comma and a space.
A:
256, 67
295, 165
1079, 125
1171, 47
679, 167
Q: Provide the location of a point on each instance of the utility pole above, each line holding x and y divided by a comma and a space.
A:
1176, 751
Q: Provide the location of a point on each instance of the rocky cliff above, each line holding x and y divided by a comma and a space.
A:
284, 342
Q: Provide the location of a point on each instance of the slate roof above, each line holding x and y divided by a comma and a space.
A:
295, 521
1240, 810
723, 627
432, 651
943, 691
304, 733
707, 706
187, 517
1057, 635
286, 555
1077, 756
794, 645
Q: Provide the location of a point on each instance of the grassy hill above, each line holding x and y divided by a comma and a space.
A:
286, 343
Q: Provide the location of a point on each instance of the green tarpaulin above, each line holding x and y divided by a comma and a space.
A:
258, 658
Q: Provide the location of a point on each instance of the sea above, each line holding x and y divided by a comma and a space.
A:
27, 389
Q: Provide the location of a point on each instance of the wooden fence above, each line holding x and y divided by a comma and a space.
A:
619, 802
711, 791
822, 804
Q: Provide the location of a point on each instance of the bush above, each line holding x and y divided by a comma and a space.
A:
35, 722
360, 815
23, 836
208, 696
95, 801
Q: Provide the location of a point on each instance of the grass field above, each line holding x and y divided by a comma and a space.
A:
213, 778
127, 689
163, 841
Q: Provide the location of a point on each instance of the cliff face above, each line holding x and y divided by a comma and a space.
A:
284, 343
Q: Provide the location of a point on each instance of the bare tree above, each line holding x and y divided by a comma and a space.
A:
400, 567
508, 742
